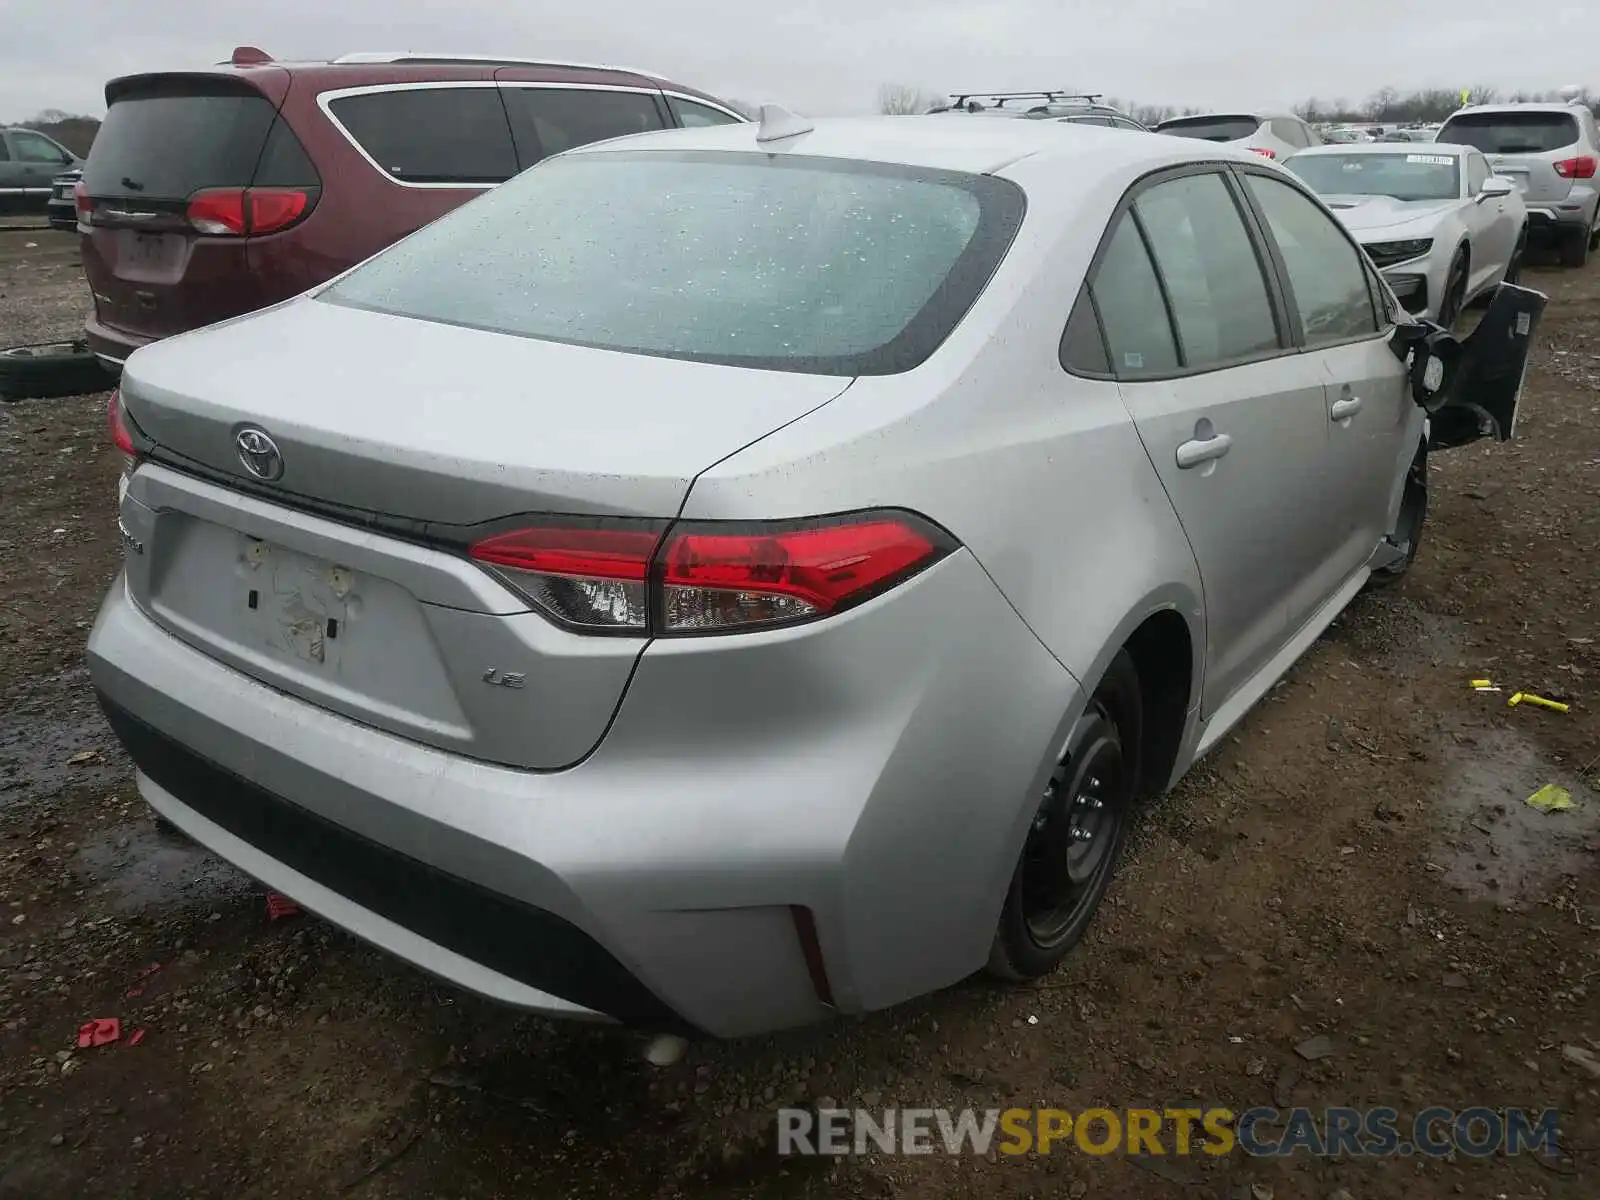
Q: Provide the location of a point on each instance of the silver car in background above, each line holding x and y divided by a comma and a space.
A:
1274, 135
1440, 226
1552, 153
725, 577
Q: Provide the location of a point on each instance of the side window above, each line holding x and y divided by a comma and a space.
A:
1477, 172
1138, 331
1121, 124
5, 154
1213, 277
1083, 350
35, 149
548, 120
695, 116
1326, 272
432, 135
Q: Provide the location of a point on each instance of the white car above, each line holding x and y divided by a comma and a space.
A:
1439, 224
1270, 134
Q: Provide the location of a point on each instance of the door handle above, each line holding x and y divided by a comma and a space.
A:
1203, 450
1343, 410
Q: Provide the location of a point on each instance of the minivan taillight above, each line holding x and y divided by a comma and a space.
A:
710, 577
237, 212
1582, 167
84, 205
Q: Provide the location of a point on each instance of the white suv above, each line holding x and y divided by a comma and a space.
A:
1271, 135
1552, 153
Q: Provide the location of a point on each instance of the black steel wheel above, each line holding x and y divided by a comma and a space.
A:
1077, 833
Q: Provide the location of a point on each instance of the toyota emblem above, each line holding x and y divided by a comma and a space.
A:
259, 453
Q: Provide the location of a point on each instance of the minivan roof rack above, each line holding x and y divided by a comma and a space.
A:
431, 58
962, 99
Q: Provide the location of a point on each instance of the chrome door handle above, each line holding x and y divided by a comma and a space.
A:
1194, 453
1343, 410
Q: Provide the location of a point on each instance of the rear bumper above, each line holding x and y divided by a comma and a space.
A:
111, 345
1556, 220
870, 779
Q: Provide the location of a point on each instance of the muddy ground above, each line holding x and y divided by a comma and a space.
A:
1356, 861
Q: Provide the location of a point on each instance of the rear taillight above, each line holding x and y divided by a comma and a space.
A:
236, 212
85, 206
711, 577
1582, 167
1263, 151
122, 436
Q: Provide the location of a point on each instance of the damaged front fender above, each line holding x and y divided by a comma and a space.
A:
1470, 387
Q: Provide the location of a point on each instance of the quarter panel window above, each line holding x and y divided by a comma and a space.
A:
1325, 270
1214, 279
1083, 350
1137, 330
695, 116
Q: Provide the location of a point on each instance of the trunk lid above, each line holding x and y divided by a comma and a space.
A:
1522, 146
166, 137
413, 426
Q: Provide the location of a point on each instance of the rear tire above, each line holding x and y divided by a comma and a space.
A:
1575, 249
1409, 524
1077, 834
49, 370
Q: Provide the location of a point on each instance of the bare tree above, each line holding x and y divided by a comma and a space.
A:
1483, 93
1382, 103
902, 99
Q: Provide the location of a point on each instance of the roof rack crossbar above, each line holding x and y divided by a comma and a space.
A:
961, 99
441, 59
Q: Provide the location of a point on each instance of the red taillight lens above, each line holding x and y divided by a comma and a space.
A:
589, 576
1263, 151
85, 206
715, 581
235, 212
120, 433
1582, 167
711, 577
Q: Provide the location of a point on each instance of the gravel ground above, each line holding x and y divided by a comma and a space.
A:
1356, 861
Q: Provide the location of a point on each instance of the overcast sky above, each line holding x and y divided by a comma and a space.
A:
830, 56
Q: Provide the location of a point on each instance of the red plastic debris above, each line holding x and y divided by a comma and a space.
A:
279, 907
136, 1037
138, 988
100, 1032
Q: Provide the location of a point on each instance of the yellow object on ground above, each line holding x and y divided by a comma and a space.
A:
1530, 698
1551, 798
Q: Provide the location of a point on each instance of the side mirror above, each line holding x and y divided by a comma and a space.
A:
1495, 186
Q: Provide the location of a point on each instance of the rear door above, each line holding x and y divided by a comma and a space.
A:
1230, 417
165, 138
1373, 426
1523, 146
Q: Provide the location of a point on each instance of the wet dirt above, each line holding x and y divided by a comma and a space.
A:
1326, 872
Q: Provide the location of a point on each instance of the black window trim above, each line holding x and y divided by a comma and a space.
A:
1283, 315
1292, 309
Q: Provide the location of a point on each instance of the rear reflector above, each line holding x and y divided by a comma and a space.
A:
1582, 167
236, 212
710, 577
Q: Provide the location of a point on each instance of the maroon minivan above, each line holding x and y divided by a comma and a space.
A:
212, 193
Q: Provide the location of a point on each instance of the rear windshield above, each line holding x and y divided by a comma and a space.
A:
1403, 175
776, 262
1511, 132
166, 141
1212, 129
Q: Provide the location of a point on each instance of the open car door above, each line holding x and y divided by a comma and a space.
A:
1471, 386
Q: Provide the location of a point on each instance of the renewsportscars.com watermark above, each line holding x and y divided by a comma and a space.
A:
1260, 1132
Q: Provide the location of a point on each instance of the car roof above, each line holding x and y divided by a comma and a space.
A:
977, 147
1346, 148
1548, 106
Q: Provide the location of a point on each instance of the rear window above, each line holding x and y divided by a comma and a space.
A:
166, 141
1511, 132
431, 134
1211, 129
776, 262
